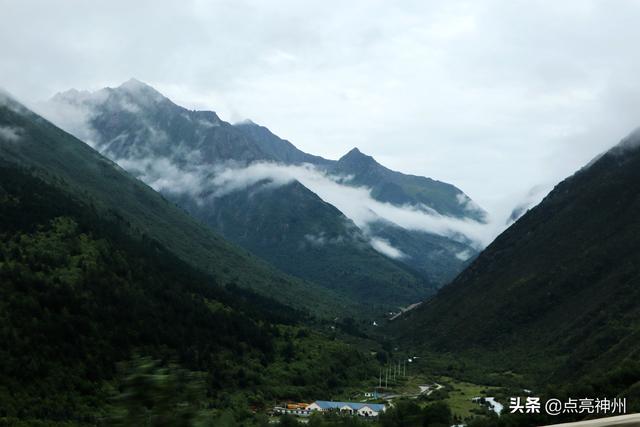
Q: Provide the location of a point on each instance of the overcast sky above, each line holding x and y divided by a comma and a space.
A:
493, 96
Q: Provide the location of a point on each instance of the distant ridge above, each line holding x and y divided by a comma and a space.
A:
171, 147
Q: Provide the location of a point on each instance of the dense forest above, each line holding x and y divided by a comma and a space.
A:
86, 304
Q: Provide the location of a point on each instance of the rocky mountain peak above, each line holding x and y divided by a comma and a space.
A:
356, 156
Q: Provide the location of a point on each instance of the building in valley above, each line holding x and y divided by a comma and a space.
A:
351, 408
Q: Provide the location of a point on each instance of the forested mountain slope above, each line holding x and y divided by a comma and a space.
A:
33, 142
102, 323
557, 294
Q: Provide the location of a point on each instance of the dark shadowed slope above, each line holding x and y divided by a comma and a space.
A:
558, 292
304, 236
101, 325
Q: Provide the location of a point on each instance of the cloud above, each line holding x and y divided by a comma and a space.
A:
321, 239
355, 202
527, 201
630, 142
10, 133
230, 179
191, 177
73, 117
163, 175
463, 255
468, 204
385, 248
478, 93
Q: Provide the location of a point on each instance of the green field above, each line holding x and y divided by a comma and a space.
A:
460, 395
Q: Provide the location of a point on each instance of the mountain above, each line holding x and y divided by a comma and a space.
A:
135, 120
386, 185
439, 258
400, 189
309, 238
181, 153
554, 297
278, 149
118, 309
288, 225
68, 162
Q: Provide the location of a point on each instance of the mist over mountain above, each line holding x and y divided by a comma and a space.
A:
400, 189
29, 141
388, 237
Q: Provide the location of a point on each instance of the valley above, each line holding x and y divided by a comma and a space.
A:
320, 213
169, 320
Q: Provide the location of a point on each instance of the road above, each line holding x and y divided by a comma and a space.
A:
422, 389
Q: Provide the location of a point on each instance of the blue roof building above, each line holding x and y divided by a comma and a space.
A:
355, 408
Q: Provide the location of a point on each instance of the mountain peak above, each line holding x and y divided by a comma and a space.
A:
355, 155
71, 96
140, 90
134, 84
135, 91
246, 122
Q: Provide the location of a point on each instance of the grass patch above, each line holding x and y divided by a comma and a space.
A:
460, 395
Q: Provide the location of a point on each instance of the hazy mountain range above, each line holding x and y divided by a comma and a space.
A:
353, 226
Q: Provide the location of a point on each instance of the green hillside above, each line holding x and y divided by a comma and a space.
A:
309, 238
80, 295
101, 323
555, 297
69, 163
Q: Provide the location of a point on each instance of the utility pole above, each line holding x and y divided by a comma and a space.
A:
380, 379
386, 380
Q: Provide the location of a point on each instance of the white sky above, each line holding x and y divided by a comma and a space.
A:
493, 96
